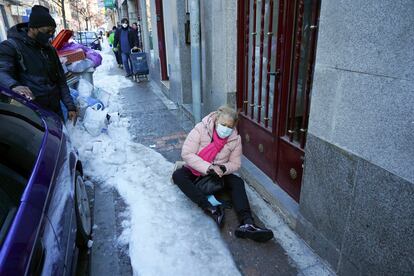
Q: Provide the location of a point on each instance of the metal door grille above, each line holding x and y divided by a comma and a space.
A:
302, 70
260, 53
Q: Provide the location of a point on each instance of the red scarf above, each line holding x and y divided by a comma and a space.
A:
210, 151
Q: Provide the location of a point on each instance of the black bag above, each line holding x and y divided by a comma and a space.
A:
209, 184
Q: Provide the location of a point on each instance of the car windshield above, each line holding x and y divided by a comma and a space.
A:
87, 35
21, 136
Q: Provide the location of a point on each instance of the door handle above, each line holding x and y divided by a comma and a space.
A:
275, 73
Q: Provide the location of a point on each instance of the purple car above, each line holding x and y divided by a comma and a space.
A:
44, 209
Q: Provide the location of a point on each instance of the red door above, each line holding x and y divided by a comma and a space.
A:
276, 50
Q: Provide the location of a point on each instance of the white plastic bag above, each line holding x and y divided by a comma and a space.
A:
95, 121
85, 88
81, 66
102, 95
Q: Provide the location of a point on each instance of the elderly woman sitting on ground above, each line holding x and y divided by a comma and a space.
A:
214, 147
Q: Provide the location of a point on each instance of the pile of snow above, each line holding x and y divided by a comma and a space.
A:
167, 234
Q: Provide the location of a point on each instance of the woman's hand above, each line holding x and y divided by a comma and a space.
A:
216, 169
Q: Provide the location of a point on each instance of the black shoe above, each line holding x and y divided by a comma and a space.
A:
217, 214
128, 75
253, 232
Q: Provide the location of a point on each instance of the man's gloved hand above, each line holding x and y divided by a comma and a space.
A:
24, 91
73, 116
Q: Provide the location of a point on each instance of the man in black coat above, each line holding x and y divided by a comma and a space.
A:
126, 39
30, 66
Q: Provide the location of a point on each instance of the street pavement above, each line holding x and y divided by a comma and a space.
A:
156, 123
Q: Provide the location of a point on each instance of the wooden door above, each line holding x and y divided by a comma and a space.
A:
276, 49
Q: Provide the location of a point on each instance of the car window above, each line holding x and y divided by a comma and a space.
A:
91, 35
21, 136
87, 35
11, 189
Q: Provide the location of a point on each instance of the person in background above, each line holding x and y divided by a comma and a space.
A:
126, 39
30, 66
214, 146
116, 51
135, 28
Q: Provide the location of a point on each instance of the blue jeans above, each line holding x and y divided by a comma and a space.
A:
126, 60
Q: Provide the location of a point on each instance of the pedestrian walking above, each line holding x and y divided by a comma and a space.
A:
137, 32
30, 66
214, 147
116, 51
126, 40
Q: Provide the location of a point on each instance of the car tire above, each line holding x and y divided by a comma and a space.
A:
83, 213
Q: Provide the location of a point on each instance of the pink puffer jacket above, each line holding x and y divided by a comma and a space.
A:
200, 136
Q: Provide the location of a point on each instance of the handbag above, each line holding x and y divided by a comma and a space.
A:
209, 184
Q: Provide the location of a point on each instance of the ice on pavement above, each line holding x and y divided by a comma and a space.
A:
166, 233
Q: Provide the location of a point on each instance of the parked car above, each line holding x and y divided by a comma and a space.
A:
45, 217
89, 39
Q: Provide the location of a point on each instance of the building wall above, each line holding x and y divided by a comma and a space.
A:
132, 11
144, 26
219, 53
122, 9
357, 207
178, 52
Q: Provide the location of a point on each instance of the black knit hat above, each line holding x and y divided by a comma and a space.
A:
40, 17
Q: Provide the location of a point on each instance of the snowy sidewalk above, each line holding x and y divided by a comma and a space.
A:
164, 232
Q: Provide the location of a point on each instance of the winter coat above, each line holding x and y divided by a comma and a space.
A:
133, 40
44, 74
111, 39
200, 136
137, 37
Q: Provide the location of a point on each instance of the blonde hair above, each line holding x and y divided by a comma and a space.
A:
228, 111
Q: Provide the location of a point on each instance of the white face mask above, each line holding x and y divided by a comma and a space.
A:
124, 25
223, 131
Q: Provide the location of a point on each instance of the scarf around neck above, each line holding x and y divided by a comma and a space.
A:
210, 151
